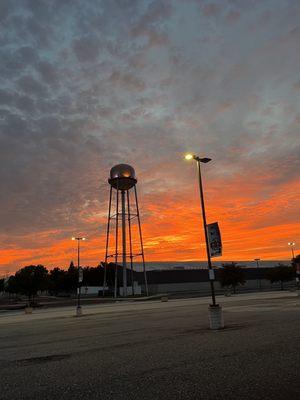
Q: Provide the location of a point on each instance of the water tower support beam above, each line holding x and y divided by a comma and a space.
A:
141, 240
130, 241
124, 242
107, 240
117, 235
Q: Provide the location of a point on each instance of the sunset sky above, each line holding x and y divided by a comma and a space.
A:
87, 84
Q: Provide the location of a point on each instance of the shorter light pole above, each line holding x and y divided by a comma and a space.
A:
258, 272
78, 308
292, 245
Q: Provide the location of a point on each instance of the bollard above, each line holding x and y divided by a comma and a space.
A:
215, 317
164, 298
28, 310
78, 311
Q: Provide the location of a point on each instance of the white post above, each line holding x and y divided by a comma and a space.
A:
216, 320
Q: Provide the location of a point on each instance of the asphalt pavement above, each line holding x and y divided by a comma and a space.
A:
154, 350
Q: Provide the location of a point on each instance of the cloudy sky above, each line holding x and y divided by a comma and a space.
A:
86, 84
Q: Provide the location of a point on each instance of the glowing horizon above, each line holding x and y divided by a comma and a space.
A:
239, 243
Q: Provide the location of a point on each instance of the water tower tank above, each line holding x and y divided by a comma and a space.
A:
122, 177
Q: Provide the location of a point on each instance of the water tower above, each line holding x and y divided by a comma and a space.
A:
122, 182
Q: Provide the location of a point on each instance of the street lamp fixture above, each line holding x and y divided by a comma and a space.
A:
190, 156
292, 245
78, 308
215, 309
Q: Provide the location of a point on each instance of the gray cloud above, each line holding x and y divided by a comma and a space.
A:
31, 86
89, 84
87, 49
48, 72
127, 81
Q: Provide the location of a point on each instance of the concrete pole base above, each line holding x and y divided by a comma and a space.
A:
28, 310
78, 311
215, 317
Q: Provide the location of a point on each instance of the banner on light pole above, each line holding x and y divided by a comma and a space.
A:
214, 239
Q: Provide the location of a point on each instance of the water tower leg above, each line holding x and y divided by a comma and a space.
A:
124, 243
141, 240
107, 241
130, 241
116, 253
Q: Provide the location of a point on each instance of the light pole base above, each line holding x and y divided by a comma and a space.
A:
28, 310
215, 315
78, 311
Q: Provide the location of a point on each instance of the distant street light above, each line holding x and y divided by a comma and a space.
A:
80, 278
257, 265
215, 309
292, 245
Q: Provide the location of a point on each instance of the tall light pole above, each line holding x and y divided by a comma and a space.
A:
215, 310
257, 265
78, 309
292, 245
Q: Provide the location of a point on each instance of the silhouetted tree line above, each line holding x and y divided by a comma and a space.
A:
233, 275
282, 273
33, 279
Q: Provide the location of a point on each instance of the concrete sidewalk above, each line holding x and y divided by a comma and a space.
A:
133, 307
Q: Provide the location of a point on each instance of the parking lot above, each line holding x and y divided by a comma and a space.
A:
154, 350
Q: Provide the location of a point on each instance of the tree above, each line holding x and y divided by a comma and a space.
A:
31, 279
57, 280
93, 276
2, 285
281, 273
71, 278
296, 266
12, 285
231, 275
296, 261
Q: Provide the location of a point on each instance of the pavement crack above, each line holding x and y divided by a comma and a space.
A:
42, 359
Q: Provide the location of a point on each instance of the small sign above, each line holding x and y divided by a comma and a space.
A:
80, 275
211, 274
214, 239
